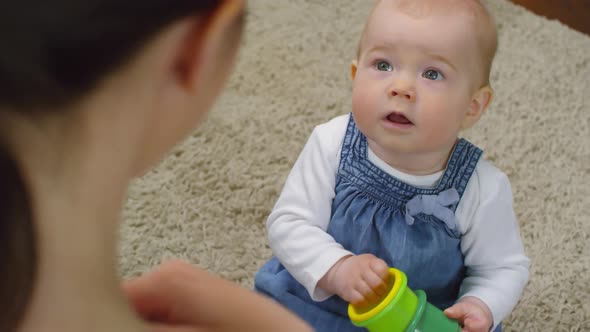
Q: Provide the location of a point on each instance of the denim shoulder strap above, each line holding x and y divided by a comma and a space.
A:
461, 166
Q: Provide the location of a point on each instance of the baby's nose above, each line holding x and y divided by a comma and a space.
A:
403, 91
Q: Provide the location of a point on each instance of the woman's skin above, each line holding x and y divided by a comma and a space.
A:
179, 298
78, 165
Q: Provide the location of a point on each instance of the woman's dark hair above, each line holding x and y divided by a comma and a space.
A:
52, 53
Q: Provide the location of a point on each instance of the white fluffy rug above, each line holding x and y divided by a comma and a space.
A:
207, 202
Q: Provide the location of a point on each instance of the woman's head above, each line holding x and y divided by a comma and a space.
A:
83, 72
57, 53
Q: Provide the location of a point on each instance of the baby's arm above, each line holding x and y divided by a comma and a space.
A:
497, 267
298, 223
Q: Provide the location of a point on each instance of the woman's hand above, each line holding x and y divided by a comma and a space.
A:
178, 297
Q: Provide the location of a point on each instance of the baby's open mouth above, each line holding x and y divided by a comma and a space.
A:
398, 118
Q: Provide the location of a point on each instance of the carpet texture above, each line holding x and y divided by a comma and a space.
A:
208, 200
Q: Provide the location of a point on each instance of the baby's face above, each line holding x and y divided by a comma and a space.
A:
414, 80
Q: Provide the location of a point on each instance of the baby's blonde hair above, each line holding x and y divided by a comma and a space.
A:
484, 24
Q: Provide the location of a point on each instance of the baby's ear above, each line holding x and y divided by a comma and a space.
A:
353, 68
480, 101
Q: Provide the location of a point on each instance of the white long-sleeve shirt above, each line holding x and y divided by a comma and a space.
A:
497, 267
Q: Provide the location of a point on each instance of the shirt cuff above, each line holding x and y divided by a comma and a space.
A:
318, 269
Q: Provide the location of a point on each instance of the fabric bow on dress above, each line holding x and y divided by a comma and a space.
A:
438, 206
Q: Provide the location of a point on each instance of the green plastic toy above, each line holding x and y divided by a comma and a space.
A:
402, 310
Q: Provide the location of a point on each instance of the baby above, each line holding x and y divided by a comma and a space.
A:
392, 184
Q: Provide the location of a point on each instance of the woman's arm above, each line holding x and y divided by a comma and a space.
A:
177, 297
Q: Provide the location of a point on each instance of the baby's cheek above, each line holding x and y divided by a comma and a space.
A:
438, 124
362, 100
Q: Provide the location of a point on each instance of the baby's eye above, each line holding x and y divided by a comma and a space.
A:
433, 75
383, 66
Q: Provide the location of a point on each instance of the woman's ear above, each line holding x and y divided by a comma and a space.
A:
196, 57
480, 102
210, 41
353, 68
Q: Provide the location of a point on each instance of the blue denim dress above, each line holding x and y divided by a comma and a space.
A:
410, 228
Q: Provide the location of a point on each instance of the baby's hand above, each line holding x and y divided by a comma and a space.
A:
472, 313
359, 280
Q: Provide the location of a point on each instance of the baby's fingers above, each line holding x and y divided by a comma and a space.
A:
379, 267
457, 311
376, 283
381, 272
356, 298
474, 325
